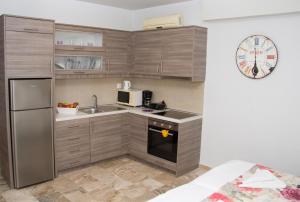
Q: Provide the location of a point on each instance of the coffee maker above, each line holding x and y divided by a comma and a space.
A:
147, 96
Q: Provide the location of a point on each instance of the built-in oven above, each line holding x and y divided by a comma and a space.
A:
163, 139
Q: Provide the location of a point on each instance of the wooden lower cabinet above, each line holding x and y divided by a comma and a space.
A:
72, 143
137, 135
107, 137
84, 141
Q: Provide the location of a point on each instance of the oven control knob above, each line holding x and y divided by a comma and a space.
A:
154, 123
161, 124
170, 126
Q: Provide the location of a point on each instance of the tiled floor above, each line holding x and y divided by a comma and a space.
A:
121, 179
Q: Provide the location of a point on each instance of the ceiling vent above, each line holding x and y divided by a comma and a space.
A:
163, 22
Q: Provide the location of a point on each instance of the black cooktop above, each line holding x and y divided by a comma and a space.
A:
175, 114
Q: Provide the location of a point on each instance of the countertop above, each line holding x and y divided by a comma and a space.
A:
133, 110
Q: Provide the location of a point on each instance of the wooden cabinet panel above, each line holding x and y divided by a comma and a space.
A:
29, 25
138, 135
107, 137
117, 46
28, 54
72, 143
147, 50
178, 52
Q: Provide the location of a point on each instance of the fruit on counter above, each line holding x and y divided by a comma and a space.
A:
66, 105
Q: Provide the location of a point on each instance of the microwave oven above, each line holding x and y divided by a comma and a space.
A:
131, 97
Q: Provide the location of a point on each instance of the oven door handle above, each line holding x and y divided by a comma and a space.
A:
158, 131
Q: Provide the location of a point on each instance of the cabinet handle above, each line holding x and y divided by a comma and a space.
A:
51, 66
31, 29
75, 151
76, 138
74, 126
161, 64
78, 72
108, 65
79, 48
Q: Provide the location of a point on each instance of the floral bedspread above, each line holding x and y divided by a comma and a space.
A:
231, 192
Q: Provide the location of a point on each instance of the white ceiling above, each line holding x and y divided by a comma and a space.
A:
134, 4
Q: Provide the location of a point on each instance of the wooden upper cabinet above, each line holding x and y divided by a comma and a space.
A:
78, 38
177, 52
117, 49
147, 51
21, 24
29, 53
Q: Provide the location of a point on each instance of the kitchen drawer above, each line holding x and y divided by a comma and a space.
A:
28, 25
71, 142
72, 160
72, 151
72, 129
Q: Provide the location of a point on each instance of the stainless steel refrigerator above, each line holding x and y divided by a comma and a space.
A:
32, 131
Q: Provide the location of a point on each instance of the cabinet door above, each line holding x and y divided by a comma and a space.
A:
21, 24
72, 143
107, 138
138, 135
178, 52
117, 46
28, 54
147, 52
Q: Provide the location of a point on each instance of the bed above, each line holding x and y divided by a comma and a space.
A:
237, 181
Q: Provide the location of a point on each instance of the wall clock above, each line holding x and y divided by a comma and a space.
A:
256, 56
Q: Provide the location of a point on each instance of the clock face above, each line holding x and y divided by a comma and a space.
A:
256, 56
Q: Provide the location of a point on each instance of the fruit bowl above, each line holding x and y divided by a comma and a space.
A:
62, 110
67, 108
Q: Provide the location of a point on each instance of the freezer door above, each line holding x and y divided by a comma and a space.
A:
30, 94
32, 136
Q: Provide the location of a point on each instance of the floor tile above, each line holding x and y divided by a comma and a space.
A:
123, 179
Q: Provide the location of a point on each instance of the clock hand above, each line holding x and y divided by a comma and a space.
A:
254, 69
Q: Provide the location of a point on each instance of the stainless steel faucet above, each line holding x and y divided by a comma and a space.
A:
95, 101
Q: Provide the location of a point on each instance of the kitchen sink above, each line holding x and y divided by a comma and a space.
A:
90, 110
100, 109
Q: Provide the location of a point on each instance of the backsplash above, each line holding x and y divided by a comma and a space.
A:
178, 94
81, 90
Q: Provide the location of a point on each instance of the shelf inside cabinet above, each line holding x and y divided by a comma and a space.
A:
78, 63
77, 40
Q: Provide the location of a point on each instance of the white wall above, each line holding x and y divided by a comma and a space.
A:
220, 9
70, 12
253, 120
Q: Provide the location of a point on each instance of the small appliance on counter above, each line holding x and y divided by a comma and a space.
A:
126, 85
130, 97
147, 97
158, 106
